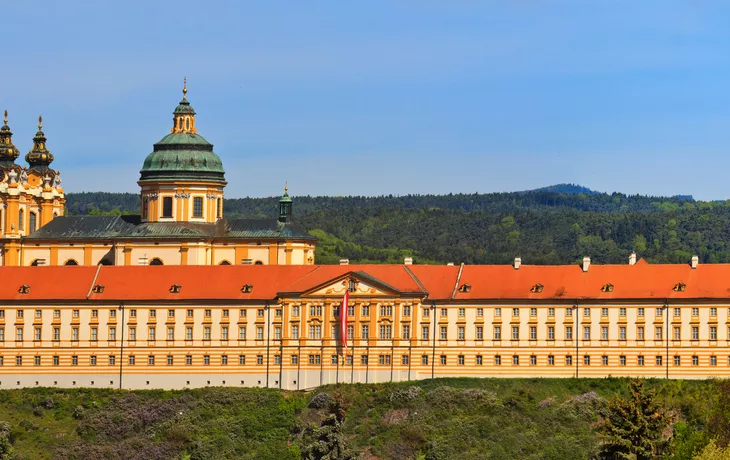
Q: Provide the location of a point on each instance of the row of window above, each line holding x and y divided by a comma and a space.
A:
152, 313
382, 359
132, 360
167, 207
385, 332
32, 220
385, 310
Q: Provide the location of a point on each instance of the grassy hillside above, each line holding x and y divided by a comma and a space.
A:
433, 419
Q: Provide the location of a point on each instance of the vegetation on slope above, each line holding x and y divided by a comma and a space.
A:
431, 419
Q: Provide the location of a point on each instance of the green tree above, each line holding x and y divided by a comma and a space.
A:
719, 421
6, 449
633, 427
713, 452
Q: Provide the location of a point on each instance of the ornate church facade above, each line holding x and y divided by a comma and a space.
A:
181, 219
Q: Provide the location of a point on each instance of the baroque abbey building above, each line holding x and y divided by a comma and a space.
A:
180, 296
279, 326
181, 219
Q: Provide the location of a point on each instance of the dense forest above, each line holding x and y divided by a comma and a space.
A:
555, 225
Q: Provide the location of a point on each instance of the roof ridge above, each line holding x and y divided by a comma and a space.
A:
301, 277
93, 281
458, 278
415, 278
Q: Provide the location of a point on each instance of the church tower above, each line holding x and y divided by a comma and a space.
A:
182, 180
30, 197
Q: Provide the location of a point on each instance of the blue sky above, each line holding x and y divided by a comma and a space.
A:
380, 97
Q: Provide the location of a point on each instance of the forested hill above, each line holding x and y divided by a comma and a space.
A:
556, 197
542, 227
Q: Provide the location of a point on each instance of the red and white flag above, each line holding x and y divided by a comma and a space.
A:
343, 319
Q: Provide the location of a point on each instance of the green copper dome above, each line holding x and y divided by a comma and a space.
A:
183, 155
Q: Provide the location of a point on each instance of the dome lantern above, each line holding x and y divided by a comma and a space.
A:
8, 151
183, 120
39, 158
183, 155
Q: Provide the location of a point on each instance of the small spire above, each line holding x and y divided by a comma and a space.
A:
286, 187
5, 120
40, 122
185, 87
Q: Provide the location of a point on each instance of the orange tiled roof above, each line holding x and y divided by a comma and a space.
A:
438, 280
438, 283
640, 281
196, 281
46, 283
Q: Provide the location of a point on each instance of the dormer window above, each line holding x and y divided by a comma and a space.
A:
247, 288
537, 288
175, 289
466, 287
98, 289
608, 287
679, 287
24, 289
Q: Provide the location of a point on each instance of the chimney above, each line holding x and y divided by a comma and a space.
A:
450, 264
408, 261
632, 258
695, 261
344, 261
586, 263
518, 262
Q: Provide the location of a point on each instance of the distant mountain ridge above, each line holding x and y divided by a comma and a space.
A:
570, 189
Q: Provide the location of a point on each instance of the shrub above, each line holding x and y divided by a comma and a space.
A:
78, 412
405, 395
320, 401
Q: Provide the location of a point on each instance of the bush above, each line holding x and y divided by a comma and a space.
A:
78, 412
320, 401
405, 395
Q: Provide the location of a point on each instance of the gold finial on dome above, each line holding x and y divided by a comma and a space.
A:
40, 122
286, 186
185, 87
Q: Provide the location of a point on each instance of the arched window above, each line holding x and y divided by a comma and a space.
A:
156, 261
220, 208
33, 217
224, 262
21, 220
258, 262
187, 123
70, 262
